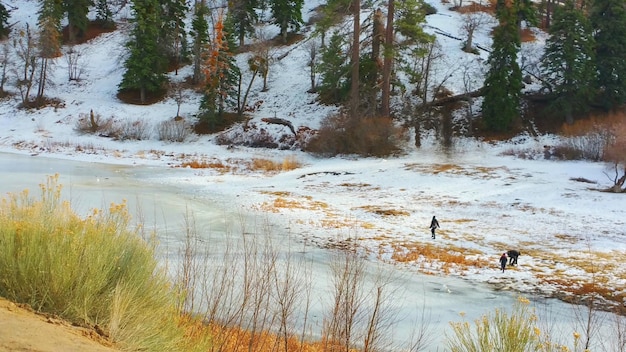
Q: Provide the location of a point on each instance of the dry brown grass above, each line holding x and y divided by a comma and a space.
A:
354, 185
239, 165
527, 35
378, 210
286, 200
206, 164
476, 7
288, 164
445, 256
454, 169
236, 339
594, 123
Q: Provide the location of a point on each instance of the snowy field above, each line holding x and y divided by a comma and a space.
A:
571, 236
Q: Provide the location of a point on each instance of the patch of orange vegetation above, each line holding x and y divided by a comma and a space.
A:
475, 7
409, 252
526, 35
236, 339
205, 164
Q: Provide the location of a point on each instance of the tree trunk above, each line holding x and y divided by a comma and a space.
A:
387, 62
354, 88
377, 39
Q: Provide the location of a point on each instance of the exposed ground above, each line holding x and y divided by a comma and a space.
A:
23, 330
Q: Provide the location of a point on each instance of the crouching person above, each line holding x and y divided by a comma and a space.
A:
513, 254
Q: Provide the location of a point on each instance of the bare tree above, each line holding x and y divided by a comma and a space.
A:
25, 45
4, 65
179, 95
263, 52
313, 47
586, 314
470, 23
616, 155
347, 271
292, 289
74, 59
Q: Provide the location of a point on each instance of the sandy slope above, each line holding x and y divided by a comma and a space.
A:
21, 329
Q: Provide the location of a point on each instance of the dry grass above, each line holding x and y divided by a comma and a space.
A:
236, 339
454, 169
383, 211
446, 257
527, 35
206, 164
239, 166
286, 200
476, 7
288, 164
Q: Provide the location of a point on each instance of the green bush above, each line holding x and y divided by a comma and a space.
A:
91, 271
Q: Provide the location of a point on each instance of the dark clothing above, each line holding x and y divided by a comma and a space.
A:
503, 260
434, 224
513, 254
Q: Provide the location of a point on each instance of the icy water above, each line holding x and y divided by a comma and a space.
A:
418, 300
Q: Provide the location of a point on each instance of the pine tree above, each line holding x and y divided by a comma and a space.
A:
410, 17
77, 19
241, 17
104, 15
49, 21
503, 84
4, 22
49, 44
568, 60
608, 18
145, 65
287, 14
221, 76
173, 34
200, 33
334, 70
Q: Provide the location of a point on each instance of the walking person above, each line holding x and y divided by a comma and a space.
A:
503, 260
434, 224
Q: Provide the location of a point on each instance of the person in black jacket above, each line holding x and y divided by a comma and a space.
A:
513, 254
434, 224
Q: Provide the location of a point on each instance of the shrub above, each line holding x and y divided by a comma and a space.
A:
91, 270
340, 134
499, 331
93, 123
133, 130
173, 130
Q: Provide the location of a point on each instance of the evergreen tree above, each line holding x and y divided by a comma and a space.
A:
221, 76
4, 22
77, 19
241, 17
103, 14
503, 83
287, 14
568, 60
145, 65
173, 41
334, 70
608, 18
526, 11
49, 43
200, 33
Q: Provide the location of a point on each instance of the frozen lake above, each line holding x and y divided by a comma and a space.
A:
436, 300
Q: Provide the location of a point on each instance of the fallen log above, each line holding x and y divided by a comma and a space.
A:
279, 121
